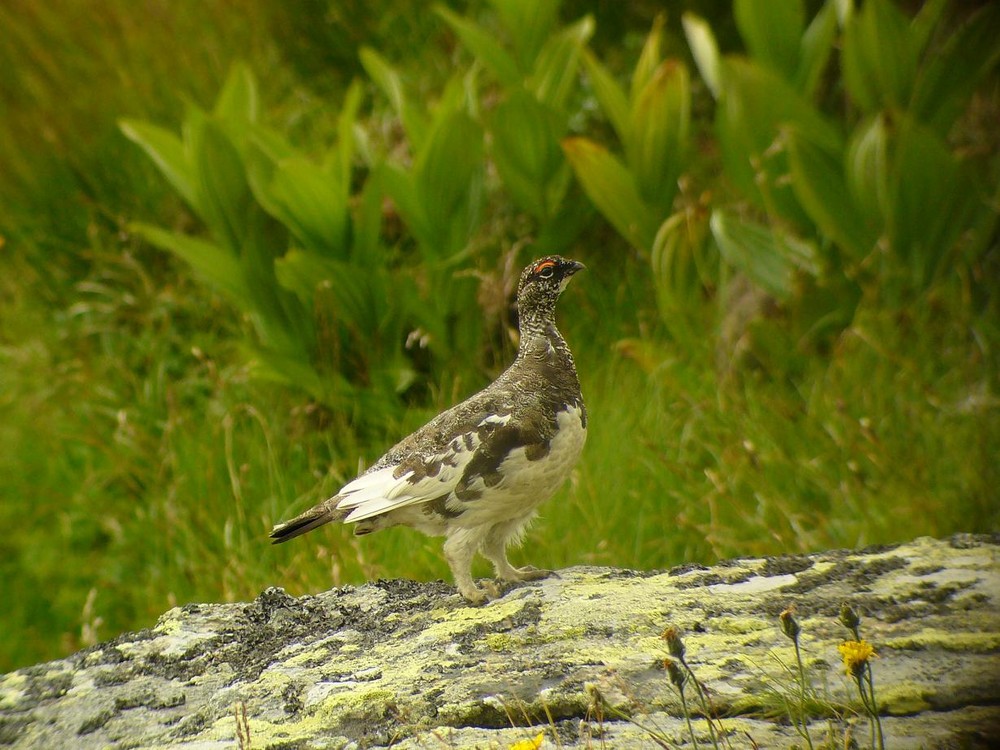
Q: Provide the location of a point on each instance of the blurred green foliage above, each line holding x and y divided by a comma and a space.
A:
212, 314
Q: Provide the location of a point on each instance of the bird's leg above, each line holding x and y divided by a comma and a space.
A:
459, 549
494, 549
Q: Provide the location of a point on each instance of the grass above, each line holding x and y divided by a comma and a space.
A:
142, 468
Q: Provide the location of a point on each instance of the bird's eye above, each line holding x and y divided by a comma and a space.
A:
546, 270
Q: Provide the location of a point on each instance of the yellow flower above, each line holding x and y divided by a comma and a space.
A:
529, 744
856, 655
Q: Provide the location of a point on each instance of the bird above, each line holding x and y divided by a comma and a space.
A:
477, 473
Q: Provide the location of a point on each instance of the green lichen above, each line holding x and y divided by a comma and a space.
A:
902, 698
977, 643
498, 642
740, 625
454, 622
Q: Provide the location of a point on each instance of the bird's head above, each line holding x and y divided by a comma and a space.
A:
541, 284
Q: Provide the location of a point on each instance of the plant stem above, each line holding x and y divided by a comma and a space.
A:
704, 704
802, 696
687, 718
874, 706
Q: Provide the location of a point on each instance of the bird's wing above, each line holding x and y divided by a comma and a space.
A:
418, 477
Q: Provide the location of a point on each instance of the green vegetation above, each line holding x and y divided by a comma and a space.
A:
245, 248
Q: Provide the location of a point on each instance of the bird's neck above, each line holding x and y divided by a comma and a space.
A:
542, 342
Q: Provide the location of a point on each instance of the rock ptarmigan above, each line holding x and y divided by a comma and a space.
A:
477, 472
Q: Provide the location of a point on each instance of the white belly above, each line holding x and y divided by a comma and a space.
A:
529, 483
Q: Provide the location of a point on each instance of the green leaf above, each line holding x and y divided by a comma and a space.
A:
878, 58
657, 140
211, 262
339, 160
526, 151
612, 188
305, 198
554, 76
949, 78
704, 50
649, 59
756, 110
769, 258
772, 32
220, 181
449, 181
680, 271
529, 22
867, 170
609, 94
816, 46
168, 153
933, 201
484, 47
818, 179
238, 100
401, 187
925, 22
358, 294
388, 80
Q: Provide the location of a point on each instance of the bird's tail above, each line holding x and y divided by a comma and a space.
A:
313, 518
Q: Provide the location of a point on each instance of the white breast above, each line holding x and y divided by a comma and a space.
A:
527, 484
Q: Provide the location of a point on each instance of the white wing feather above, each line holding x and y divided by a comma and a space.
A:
379, 492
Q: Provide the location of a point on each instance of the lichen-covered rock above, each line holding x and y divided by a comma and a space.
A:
573, 661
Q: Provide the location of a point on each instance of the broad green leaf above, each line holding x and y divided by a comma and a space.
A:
526, 151
400, 186
238, 101
281, 319
366, 247
817, 44
879, 62
357, 296
867, 169
530, 22
924, 23
484, 47
949, 78
658, 127
340, 157
168, 153
554, 76
649, 59
612, 188
770, 258
933, 201
772, 32
220, 181
211, 262
308, 200
756, 110
388, 80
680, 270
609, 94
268, 365
449, 176
818, 179
704, 50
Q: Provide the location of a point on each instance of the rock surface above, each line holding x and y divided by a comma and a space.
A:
573, 661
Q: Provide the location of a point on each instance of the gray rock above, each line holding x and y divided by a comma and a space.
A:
573, 661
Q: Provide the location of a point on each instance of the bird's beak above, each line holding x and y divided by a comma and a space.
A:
575, 266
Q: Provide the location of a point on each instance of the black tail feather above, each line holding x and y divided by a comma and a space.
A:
311, 519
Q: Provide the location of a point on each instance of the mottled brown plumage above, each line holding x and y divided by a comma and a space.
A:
477, 472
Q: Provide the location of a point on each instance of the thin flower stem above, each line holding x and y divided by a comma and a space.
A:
687, 718
874, 706
803, 719
703, 700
